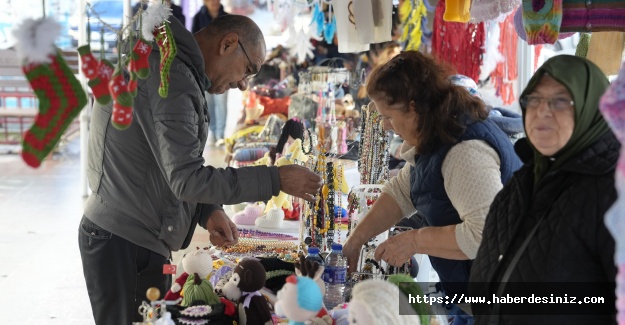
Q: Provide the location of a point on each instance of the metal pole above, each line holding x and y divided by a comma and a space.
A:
85, 114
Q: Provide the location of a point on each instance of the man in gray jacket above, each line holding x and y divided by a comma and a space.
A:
150, 186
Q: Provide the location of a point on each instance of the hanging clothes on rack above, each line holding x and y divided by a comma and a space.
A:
486, 10
374, 21
346, 27
459, 44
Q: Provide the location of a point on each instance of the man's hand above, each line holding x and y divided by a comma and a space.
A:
223, 232
299, 181
351, 251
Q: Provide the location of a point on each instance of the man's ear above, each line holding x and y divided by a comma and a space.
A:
229, 43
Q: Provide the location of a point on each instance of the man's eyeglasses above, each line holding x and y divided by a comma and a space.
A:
250, 75
555, 104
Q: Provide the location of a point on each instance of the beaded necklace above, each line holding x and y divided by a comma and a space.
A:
339, 197
330, 202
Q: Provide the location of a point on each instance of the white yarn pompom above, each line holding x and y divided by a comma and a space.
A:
35, 39
153, 17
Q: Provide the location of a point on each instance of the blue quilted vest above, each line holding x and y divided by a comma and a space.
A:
429, 196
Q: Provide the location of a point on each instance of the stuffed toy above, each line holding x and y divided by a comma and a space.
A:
249, 215
247, 279
377, 302
299, 300
314, 271
198, 262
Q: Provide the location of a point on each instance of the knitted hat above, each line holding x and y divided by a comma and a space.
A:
541, 20
520, 29
248, 215
467, 83
308, 294
381, 302
273, 219
199, 261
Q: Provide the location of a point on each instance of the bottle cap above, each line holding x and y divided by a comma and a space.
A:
337, 247
313, 250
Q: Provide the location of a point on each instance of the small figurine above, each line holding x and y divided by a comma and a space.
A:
299, 300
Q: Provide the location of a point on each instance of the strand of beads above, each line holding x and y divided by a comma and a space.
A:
339, 198
330, 202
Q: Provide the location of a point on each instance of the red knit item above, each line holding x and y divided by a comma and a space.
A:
99, 84
537, 50
61, 98
122, 108
138, 63
459, 44
88, 63
506, 71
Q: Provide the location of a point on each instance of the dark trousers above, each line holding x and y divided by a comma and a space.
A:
118, 273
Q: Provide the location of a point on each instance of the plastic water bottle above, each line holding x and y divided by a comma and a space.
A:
335, 275
313, 255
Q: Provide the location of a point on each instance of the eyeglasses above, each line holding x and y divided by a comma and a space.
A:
250, 75
555, 104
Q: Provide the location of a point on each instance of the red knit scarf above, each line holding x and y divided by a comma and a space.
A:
506, 71
459, 44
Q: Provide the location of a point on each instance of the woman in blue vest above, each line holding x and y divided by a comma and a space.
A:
457, 161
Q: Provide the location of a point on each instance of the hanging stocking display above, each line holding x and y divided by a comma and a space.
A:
58, 91
88, 63
99, 84
122, 98
138, 63
154, 26
459, 44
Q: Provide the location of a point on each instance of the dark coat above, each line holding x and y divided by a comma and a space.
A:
203, 18
571, 244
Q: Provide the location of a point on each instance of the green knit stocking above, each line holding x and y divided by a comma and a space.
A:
61, 98
168, 49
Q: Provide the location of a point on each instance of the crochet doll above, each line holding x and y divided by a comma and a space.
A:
198, 262
299, 300
248, 277
377, 302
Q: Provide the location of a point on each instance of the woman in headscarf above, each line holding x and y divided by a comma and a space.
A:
545, 228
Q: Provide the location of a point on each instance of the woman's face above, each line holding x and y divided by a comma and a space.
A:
394, 119
549, 128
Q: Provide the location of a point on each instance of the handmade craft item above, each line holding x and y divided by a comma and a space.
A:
378, 302
60, 96
198, 263
247, 279
155, 26
299, 300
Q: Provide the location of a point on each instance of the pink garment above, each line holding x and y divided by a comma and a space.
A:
486, 10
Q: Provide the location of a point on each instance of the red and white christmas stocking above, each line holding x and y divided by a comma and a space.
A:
88, 63
99, 84
60, 95
138, 63
122, 101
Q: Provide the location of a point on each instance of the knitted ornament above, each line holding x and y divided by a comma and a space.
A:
138, 63
154, 26
487, 10
457, 10
122, 98
88, 63
459, 44
541, 20
99, 84
606, 51
58, 91
378, 302
273, 219
248, 215
520, 29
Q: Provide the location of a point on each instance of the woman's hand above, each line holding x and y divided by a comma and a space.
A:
398, 249
351, 250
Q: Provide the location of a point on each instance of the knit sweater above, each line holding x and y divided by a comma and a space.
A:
472, 176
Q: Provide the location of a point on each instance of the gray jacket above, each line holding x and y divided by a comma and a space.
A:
149, 181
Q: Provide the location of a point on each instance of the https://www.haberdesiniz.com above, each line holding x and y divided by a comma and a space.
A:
507, 299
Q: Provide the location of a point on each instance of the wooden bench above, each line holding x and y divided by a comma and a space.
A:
14, 121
